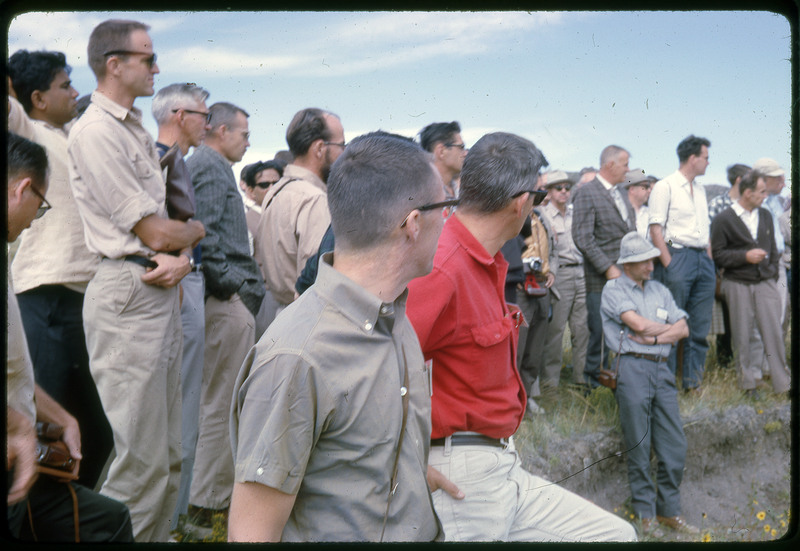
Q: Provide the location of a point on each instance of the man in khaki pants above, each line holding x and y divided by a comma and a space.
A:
131, 310
234, 291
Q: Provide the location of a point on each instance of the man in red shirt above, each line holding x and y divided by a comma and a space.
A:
469, 335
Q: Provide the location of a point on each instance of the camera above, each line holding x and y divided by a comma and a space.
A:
532, 265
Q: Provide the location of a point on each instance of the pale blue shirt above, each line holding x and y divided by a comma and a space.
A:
773, 204
654, 302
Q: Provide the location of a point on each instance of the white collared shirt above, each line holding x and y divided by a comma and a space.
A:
682, 214
750, 218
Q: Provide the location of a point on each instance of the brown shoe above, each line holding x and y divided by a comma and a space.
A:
678, 523
650, 528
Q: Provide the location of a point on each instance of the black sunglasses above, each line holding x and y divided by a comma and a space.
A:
265, 185
150, 60
538, 195
446, 207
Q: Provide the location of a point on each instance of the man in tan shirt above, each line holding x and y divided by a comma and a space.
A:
131, 311
295, 210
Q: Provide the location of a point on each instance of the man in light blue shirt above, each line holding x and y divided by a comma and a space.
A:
641, 322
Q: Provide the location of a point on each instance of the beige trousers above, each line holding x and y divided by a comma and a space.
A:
134, 339
230, 334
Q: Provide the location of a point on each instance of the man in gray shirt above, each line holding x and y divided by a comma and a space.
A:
331, 416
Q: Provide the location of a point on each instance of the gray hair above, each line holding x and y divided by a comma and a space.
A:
378, 179
610, 153
498, 167
224, 114
175, 96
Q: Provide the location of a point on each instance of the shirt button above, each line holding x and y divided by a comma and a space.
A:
259, 471
368, 326
403, 391
384, 309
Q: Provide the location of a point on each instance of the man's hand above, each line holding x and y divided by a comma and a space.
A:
754, 256
436, 481
170, 271
21, 454
549, 280
613, 272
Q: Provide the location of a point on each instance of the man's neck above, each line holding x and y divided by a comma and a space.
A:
687, 173
746, 206
170, 136
309, 164
216, 146
35, 114
490, 230
378, 272
116, 94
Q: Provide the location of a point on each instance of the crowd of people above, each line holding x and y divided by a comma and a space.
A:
340, 345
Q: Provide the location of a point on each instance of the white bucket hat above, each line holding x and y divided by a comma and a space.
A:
635, 248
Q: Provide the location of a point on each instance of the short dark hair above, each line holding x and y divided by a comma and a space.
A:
224, 113
25, 158
736, 171
497, 167
307, 126
377, 180
438, 132
749, 180
109, 36
31, 71
691, 145
250, 172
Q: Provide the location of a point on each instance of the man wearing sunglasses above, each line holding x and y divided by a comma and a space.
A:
52, 265
131, 311
468, 335
638, 185
331, 424
443, 140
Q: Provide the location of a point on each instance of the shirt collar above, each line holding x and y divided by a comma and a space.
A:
300, 173
738, 209
357, 304
553, 211
470, 243
606, 184
115, 109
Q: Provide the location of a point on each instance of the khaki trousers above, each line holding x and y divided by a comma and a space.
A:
570, 308
758, 303
134, 340
230, 334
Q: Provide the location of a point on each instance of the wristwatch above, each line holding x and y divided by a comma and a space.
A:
191, 261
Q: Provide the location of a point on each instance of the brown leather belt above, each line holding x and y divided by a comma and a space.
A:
470, 440
651, 357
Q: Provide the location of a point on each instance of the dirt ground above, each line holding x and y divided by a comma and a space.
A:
736, 486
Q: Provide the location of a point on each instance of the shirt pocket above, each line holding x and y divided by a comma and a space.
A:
492, 343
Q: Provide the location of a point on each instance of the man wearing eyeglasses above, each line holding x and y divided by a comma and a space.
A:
131, 311
443, 140
638, 185
602, 217
182, 116
331, 421
234, 291
52, 265
295, 210
468, 335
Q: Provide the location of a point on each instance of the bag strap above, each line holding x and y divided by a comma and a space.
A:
277, 191
393, 482
75, 515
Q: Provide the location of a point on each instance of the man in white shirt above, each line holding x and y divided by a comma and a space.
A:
679, 228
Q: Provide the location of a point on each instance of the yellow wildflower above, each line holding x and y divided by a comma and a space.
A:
761, 515
773, 532
767, 527
706, 537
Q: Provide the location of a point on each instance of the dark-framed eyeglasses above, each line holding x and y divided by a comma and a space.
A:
446, 206
44, 207
150, 60
537, 194
460, 146
205, 114
342, 144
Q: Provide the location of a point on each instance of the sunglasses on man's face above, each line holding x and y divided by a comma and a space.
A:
537, 194
265, 185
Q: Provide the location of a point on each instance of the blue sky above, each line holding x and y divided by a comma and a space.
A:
572, 82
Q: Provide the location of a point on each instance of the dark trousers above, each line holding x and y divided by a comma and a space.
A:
530, 349
649, 416
101, 518
596, 353
53, 321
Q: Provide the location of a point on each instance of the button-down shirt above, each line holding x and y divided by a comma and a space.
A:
115, 176
318, 413
19, 368
750, 218
561, 224
53, 250
680, 207
470, 334
294, 219
654, 302
643, 222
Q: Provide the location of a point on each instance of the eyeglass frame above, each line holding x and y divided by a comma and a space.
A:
560, 187
151, 60
538, 195
462, 146
342, 144
433, 206
266, 185
206, 114
44, 207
